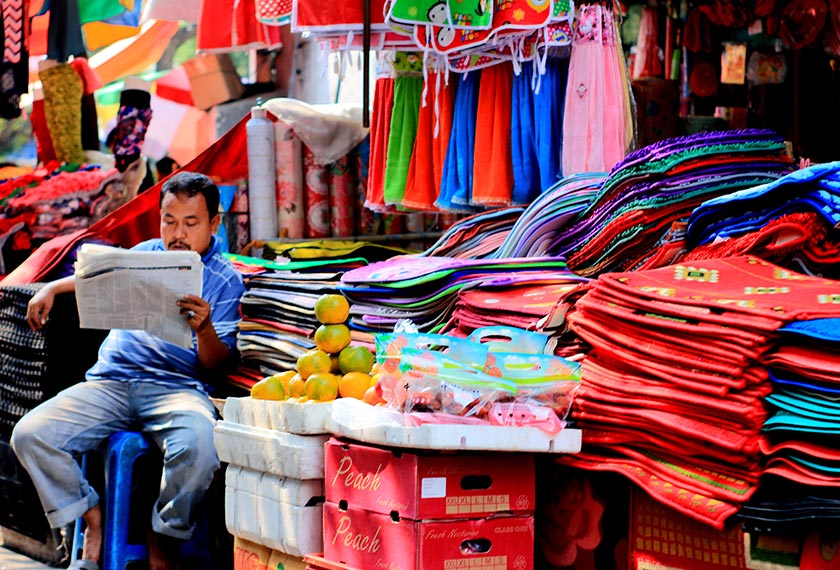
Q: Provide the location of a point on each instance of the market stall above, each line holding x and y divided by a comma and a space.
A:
527, 319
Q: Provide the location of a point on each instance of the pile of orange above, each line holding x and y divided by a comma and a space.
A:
335, 368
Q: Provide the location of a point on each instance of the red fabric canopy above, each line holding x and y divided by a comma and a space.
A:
139, 219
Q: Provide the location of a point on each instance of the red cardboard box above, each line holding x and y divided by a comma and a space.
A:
428, 485
364, 539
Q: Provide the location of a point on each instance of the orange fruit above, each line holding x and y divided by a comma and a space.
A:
332, 309
332, 338
354, 385
312, 362
372, 397
322, 387
269, 388
284, 378
355, 359
296, 386
334, 366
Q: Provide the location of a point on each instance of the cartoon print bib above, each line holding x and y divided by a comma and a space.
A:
458, 14
509, 17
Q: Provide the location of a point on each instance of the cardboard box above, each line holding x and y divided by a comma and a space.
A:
364, 539
213, 80
250, 556
318, 562
430, 485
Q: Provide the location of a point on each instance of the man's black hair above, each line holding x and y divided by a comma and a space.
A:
191, 184
166, 166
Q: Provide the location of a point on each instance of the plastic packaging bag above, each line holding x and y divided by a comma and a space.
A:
389, 348
555, 395
510, 339
517, 366
525, 415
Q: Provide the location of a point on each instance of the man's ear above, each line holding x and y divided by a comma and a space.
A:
215, 222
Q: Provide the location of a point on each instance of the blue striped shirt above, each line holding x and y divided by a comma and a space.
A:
129, 355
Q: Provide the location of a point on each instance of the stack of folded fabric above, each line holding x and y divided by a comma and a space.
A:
476, 236
423, 290
640, 209
278, 313
549, 215
673, 388
803, 432
510, 300
791, 220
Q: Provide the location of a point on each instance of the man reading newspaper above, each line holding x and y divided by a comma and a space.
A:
142, 382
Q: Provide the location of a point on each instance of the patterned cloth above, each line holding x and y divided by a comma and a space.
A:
22, 358
63, 108
133, 120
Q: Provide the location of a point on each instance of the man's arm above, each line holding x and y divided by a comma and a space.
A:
212, 352
41, 303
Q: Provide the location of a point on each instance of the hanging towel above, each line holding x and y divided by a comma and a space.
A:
548, 108
426, 167
408, 88
492, 170
524, 123
593, 122
456, 185
380, 128
647, 62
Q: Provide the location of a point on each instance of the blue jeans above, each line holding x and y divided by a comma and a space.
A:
180, 420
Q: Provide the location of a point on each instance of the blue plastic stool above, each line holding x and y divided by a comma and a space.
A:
124, 449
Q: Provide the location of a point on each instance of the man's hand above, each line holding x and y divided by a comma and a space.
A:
197, 312
41, 303
39, 307
212, 352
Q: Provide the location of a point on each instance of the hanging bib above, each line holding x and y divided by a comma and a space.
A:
509, 17
459, 14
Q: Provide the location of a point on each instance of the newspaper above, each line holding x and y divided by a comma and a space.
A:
127, 289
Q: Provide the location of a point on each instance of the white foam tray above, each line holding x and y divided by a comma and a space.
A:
292, 417
255, 510
297, 492
356, 420
270, 451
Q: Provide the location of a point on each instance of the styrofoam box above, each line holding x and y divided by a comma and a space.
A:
282, 514
270, 451
356, 420
292, 417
